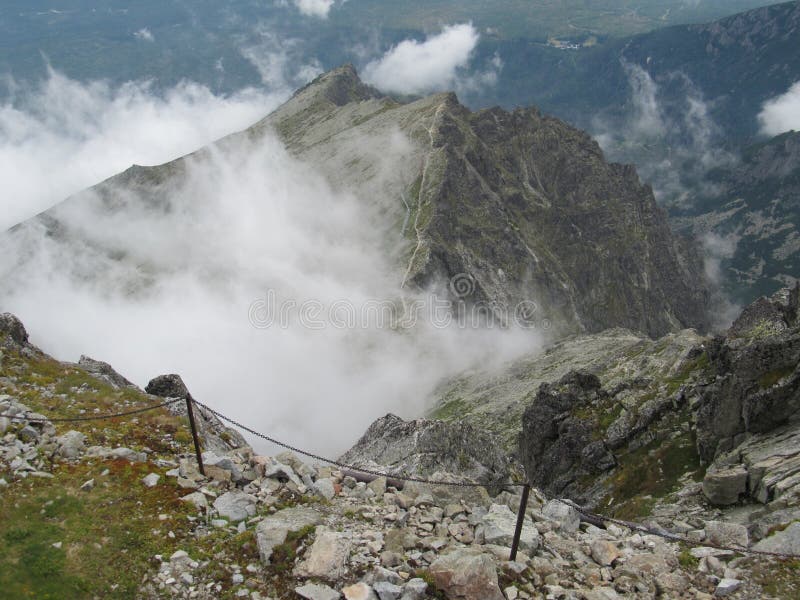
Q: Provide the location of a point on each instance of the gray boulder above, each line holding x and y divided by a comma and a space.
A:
71, 444
316, 591
467, 574
567, 517
273, 530
235, 505
499, 525
327, 557
104, 371
13, 327
167, 386
723, 533
724, 486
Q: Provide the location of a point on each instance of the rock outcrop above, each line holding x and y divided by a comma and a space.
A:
424, 447
757, 379
216, 436
558, 445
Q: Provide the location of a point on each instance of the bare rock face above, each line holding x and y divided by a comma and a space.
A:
103, 370
424, 447
13, 327
167, 386
216, 436
757, 383
557, 444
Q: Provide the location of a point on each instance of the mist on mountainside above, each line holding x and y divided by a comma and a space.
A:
243, 277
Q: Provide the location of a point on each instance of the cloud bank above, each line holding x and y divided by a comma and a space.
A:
414, 67
782, 113
164, 279
62, 136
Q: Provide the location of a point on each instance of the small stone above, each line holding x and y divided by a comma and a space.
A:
88, 485
237, 579
359, 591
722, 533
57, 545
567, 517
187, 578
316, 591
604, 553
151, 480
387, 591
726, 587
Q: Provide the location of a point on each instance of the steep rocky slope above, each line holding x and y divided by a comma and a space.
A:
753, 218
520, 209
523, 204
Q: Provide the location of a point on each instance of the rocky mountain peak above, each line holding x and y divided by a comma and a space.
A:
339, 86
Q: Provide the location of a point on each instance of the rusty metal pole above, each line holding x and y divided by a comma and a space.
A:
523, 505
190, 412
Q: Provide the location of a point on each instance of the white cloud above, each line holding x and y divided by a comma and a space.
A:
314, 8
62, 136
413, 67
671, 137
144, 34
280, 62
165, 283
781, 113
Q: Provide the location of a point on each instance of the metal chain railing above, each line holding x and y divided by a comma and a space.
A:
343, 465
526, 486
672, 536
128, 413
523, 504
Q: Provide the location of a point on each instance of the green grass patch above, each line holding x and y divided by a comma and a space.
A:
107, 535
649, 473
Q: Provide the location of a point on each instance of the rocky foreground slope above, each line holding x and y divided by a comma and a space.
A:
118, 508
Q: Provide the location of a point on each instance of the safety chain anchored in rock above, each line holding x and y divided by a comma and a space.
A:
526, 487
42, 419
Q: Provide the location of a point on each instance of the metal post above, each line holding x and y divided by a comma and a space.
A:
523, 505
190, 412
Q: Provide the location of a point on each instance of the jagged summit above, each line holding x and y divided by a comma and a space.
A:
340, 86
